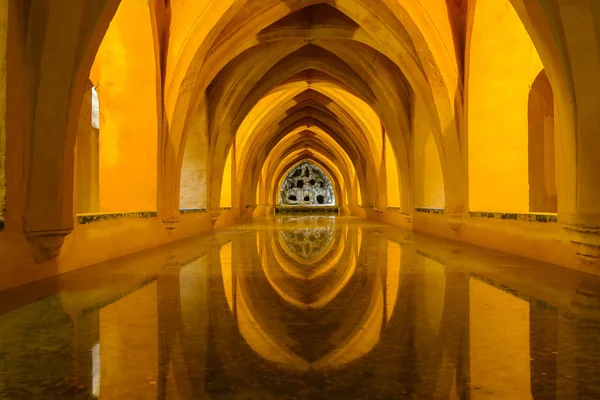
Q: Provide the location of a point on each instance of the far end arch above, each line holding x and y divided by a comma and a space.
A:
307, 185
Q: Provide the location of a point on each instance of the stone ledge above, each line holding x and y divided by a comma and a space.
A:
529, 217
84, 219
306, 210
185, 211
428, 210
399, 210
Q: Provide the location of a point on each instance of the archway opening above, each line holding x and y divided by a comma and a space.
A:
306, 186
542, 179
227, 182
503, 63
87, 154
392, 175
122, 127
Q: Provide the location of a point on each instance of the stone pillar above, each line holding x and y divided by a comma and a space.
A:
565, 33
60, 39
580, 212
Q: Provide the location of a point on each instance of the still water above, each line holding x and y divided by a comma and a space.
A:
305, 308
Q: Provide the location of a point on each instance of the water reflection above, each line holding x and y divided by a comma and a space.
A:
380, 314
307, 238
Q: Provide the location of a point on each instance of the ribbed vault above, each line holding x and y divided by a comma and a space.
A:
315, 77
375, 91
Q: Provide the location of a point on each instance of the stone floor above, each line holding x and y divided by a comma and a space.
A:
305, 307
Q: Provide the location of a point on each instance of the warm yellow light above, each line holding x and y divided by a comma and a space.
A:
391, 169
226, 189
503, 65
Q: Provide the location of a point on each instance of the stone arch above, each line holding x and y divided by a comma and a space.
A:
306, 184
296, 158
234, 44
225, 127
296, 146
71, 33
299, 121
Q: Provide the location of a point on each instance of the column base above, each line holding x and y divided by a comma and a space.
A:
583, 232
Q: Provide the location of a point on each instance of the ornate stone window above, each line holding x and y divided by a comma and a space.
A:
306, 185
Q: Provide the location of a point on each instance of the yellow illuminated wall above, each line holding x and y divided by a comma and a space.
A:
226, 188
503, 63
429, 179
499, 343
124, 75
391, 169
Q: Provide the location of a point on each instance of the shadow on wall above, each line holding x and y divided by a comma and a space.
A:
542, 176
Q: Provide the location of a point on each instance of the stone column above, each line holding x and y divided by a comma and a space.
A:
60, 39
566, 35
580, 211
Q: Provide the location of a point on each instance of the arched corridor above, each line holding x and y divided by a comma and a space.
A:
128, 125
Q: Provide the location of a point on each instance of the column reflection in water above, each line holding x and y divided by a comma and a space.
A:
500, 343
309, 308
129, 342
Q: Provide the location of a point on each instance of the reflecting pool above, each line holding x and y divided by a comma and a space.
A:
305, 308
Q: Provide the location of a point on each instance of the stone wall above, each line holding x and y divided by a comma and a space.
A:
306, 185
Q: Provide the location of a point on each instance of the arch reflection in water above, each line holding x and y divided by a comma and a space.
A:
382, 315
309, 239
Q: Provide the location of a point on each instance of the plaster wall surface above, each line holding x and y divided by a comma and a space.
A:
394, 198
226, 186
124, 74
503, 63
539, 241
428, 177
